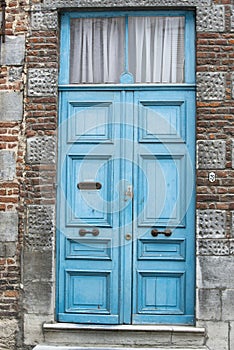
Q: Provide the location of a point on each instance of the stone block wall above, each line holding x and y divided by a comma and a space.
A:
215, 200
29, 61
42, 57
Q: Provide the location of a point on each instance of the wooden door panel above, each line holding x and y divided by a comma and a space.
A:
160, 292
89, 205
162, 194
161, 249
88, 224
90, 122
83, 299
161, 121
88, 248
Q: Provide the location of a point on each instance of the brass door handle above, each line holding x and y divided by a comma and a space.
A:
156, 232
83, 232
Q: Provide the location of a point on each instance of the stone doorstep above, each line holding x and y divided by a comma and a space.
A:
66, 336
51, 347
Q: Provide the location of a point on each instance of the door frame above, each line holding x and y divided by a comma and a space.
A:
64, 85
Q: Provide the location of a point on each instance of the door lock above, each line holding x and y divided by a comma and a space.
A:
129, 193
128, 236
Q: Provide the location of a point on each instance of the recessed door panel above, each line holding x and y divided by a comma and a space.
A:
90, 121
81, 298
161, 249
160, 292
162, 196
162, 121
88, 248
89, 182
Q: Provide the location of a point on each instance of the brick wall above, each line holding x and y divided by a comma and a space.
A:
28, 122
12, 151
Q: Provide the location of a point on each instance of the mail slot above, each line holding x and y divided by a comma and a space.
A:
89, 185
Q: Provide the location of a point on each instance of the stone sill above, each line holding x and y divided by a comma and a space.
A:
141, 328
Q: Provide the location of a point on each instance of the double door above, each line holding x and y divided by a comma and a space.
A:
125, 238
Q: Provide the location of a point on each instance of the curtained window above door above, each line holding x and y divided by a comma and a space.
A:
134, 49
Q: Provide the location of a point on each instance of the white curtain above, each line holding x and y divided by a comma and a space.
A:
97, 50
155, 49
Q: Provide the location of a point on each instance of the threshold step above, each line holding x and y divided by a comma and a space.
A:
107, 337
155, 328
51, 347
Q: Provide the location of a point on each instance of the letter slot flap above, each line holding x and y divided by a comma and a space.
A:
89, 185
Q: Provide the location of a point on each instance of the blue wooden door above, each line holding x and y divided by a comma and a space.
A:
126, 160
126, 206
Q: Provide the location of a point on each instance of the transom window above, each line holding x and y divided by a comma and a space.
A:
127, 47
